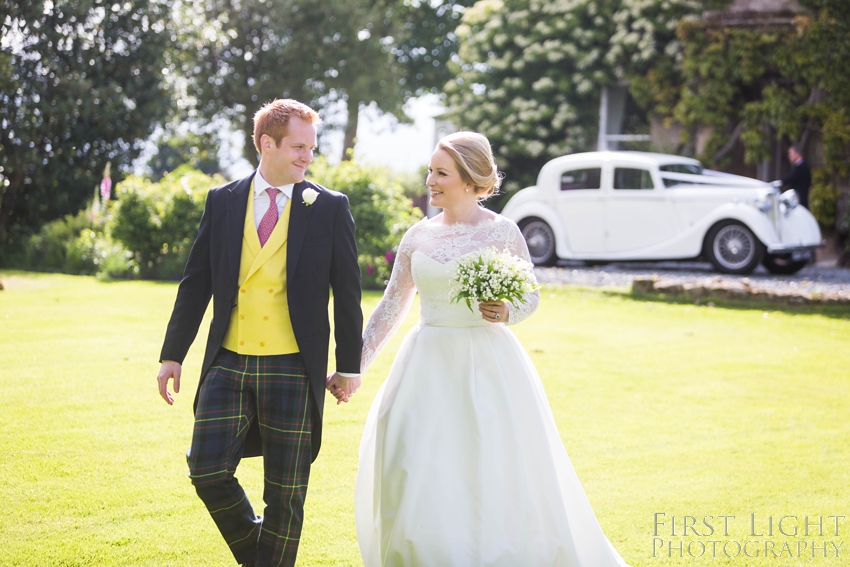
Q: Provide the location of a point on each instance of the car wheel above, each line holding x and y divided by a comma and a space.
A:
782, 264
733, 248
540, 240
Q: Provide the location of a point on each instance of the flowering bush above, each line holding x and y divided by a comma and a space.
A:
157, 222
147, 232
382, 213
491, 275
528, 72
55, 248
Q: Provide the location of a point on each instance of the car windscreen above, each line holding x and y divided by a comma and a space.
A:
581, 179
692, 168
685, 168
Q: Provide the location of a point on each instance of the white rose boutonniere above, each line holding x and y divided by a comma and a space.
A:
309, 196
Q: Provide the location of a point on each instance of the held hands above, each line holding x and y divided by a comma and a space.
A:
494, 311
342, 388
169, 369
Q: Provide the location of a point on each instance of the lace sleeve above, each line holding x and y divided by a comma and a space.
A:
393, 307
515, 243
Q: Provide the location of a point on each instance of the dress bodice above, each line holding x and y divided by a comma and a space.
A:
433, 279
424, 263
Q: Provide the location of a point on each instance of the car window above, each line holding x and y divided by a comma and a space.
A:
581, 179
628, 178
682, 168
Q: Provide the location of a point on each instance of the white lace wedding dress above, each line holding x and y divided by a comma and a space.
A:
461, 463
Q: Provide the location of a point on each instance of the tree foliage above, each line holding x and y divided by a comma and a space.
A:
243, 54
754, 82
425, 40
529, 72
196, 150
80, 84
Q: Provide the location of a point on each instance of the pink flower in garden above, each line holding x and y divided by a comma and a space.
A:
105, 188
389, 256
370, 270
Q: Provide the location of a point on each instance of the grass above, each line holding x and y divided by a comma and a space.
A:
665, 408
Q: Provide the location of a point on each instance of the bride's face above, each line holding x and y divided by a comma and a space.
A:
445, 183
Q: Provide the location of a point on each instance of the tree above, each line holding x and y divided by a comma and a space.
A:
248, 53
80, 84
359, 52
425, 41
197, 150
529, 72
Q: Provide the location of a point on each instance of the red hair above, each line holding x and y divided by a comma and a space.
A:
273, 119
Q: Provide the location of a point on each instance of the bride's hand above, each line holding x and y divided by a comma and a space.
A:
339, 395
494, 311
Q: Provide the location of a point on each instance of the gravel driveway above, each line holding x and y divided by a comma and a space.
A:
812, 278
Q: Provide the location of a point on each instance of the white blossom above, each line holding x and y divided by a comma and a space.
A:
491, 275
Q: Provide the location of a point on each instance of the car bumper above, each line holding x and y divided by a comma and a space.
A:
797, 251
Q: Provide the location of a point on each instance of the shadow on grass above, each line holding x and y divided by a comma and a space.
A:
835, 311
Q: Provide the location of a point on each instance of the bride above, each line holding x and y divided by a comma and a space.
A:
461, 463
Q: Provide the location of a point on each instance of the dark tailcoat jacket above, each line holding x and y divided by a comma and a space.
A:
799, 178
321, 255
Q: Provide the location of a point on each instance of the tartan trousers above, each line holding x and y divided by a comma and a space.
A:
275, 391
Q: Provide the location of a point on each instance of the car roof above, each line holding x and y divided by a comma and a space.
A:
648, 158
553, 168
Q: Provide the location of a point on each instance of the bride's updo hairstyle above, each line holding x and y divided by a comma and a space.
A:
473, 157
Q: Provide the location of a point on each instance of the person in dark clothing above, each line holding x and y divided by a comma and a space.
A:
799, 178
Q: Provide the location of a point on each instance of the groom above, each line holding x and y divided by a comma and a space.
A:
269, 249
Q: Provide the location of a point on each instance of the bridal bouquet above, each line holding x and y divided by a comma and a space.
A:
490, 275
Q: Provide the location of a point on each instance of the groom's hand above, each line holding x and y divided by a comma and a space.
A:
169, 369
342, 387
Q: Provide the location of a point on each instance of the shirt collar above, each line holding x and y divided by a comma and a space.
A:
260, 186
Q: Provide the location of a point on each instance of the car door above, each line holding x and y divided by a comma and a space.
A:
637, 213
579, 202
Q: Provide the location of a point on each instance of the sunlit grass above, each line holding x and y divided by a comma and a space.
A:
664, 408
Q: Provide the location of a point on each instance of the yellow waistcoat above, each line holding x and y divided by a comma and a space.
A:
260, 324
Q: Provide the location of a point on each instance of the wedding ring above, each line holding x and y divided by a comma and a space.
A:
496, 316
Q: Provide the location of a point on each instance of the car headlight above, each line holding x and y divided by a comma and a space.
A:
789, 199
764, 204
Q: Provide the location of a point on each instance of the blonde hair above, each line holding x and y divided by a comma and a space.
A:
273, 119
473, 157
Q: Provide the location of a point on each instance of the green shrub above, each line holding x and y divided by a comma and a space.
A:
81, 254
823, 197
157, 222
54, 247
381, 211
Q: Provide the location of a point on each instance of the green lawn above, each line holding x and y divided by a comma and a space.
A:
664, 408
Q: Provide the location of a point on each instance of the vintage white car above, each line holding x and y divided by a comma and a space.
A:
615, 206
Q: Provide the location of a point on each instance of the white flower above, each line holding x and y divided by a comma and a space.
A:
309, 196
490, 275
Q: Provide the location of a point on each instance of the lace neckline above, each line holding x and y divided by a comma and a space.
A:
462, 226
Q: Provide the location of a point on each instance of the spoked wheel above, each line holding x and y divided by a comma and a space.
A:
733, 248
540, 240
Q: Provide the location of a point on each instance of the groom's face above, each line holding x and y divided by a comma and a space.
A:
287, 162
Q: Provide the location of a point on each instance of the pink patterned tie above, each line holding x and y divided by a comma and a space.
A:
270, 218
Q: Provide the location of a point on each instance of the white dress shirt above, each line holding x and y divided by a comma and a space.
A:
261, 197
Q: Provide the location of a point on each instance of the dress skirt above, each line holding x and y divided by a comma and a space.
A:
461, 463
